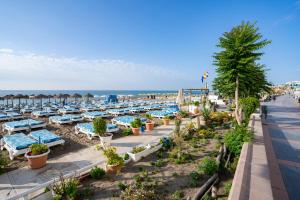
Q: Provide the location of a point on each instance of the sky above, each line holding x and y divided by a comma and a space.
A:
135, 44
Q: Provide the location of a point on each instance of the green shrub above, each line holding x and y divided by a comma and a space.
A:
136, 123
126, 132
235, 138
207, 197
227, 188
195, 179
3, 163
177, 195
206, 133
112, 157
248, 105
208, 166
97, 173
38, 149
183, 113
66, 189
196, 103
159, 163
126, 156
148, 117
99, 125
206, 113
122, 186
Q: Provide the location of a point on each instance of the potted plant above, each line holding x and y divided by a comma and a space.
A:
135, 126
37, 155
149, 122
126, 158
166, 120
196, 107
99, 125
139, 152
114, 161
205, 116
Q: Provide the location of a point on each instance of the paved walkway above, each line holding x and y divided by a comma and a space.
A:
20, 180
282, 131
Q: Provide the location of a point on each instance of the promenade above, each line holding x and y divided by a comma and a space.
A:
282, 138
23, 179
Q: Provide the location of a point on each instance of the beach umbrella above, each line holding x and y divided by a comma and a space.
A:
26, 97
60, 96
88, 95
41, 97
19, 97
76, 96
2, 99
49, 97
9, 96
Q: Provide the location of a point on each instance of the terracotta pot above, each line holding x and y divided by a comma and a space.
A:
135, 131
37, 161
149, 126
113, 169
166, 121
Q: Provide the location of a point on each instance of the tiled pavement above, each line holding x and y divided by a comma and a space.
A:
282, 136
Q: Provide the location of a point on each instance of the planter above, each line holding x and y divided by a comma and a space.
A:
106, 140
135, 131
113, 169
137, 156
37, 161
166, 121
202, 121
149, 126
128, 160
155, 148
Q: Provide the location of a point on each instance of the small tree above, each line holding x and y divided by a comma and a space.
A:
99, 125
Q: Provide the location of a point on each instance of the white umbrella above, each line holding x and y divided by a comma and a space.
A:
180, 98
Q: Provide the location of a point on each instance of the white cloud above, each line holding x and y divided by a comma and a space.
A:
33, 71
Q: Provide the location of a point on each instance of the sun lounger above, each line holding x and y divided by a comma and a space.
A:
65, 119
43, 113
160, 114
4, 117
92, 115
22, 125
116, 112
88, 129
125, 120
68, 110
46, 137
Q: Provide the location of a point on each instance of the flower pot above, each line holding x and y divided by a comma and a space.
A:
137, 156
113, 169
106, 140
37, 161
166, 121
154, 148
149, 126
135, 131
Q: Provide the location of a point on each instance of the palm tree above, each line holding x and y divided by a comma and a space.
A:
236, 61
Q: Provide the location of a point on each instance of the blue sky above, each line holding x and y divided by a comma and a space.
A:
135, 44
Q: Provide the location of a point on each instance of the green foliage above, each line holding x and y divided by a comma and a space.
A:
97, 173
38, 149
3, 163
126, 156
183, 113
166, 142
206, 133
248, 105
126, 132
136, 123
206, 113
112, 157
66, 189
195, 179
208, 166
227, 188
177, 195
99, 125
235, 138
139, 149
122, 186
196, 103
207, 197
159, 163
236, 62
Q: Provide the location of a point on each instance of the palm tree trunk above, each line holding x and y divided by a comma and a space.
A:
237, 114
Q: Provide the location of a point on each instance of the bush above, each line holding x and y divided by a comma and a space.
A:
122, 186
196, 103
99, 125
177, 195
206, 113
167, 143
38, 149
195, 178
126, 156
3, 163
206, 133
248, 105
208, 166
112, 157
126, 132
97, 173
136, 123
227, 188
66, 188
235, 138
159, 163
183, 113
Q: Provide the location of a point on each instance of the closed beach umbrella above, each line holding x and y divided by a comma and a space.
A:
19, 97
76, 96
88, 95
180, 97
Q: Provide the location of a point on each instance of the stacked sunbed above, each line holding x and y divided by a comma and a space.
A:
43, 113
125, 120
88, 129
65, 119
68, 110
10, 116
19, 143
